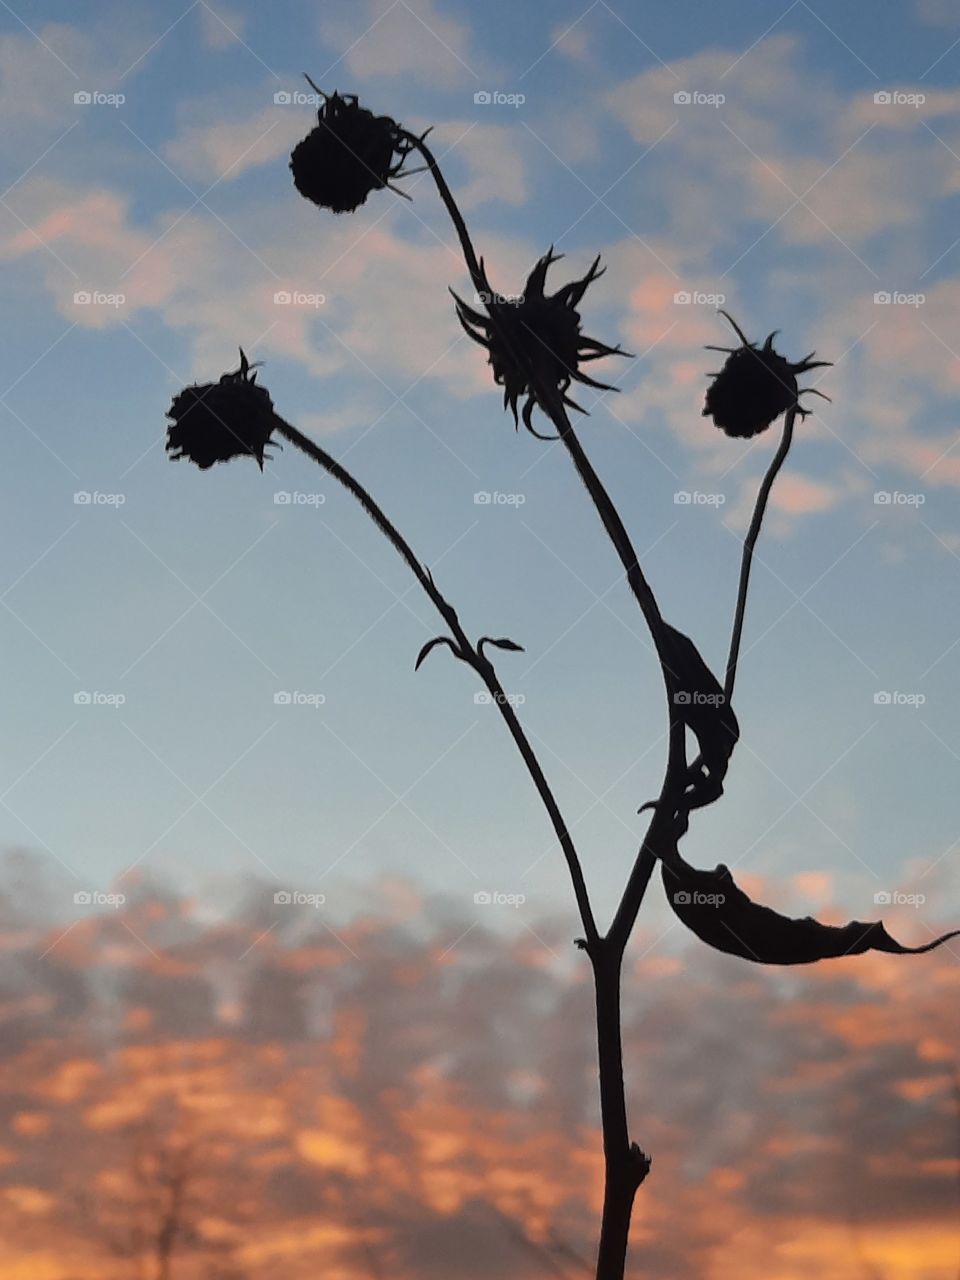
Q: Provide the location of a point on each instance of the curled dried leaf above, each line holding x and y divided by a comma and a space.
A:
714, 907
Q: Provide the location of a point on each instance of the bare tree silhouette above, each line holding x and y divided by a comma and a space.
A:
151, 1214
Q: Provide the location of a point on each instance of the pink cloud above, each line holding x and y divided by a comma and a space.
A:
797, 495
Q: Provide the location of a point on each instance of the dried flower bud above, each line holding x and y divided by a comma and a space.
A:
534, 340
350, 153
217, 421
755, 386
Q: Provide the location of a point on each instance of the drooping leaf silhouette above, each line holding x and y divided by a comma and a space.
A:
701, 703
714, 907
503, 642
431, 645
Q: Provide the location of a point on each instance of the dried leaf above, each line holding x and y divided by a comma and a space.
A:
503, 643
699, 697
432, 644
713, 906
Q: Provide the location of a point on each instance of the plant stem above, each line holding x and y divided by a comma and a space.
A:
549, 397
453, 209
467, 652
625, 1165
749, 543
674, 778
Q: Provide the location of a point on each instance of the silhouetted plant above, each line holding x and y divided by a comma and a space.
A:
536, 350
217, 421
534, 339
350, 153
755, 386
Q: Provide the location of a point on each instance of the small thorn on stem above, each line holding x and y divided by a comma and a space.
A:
640, 1161
314, 87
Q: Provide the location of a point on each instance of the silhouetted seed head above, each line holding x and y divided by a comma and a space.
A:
535, 340
755, 386
350, 153
217, 421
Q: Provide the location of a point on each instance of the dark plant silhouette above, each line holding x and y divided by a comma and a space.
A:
716, 909
348, 155
755, 386
221, 420
536, 350
535, 339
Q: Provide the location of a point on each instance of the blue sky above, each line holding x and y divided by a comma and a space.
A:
798, 197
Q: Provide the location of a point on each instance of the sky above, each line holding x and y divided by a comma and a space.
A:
798, 165
196, 598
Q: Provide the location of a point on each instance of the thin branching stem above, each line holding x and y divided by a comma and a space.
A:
616, 531
625, 1165
749, 543
674, 777
468, 653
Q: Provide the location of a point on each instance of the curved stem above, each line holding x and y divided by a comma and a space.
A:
610, 517
749, 543
549, 397
482, 665
675, 773
453, 209
674, 776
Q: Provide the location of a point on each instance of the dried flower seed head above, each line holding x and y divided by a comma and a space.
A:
534, 342
755, 386
217, 421
350, 153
